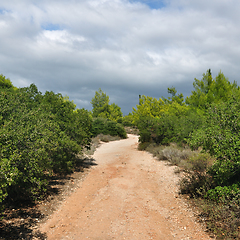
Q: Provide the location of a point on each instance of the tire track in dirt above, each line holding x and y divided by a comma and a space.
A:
128, 195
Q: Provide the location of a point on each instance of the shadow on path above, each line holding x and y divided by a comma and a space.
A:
19, 223
20, 220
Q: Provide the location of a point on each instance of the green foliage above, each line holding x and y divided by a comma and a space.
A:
209, 120
224, 194
115, 112
200, 162
220, 136
5, 83
174, 127
100, 104
209, 90
148, 108
40, 134
75, 123
142, 146
108, 127
165, 121
102, 109
175, 98
22, 158
127, 120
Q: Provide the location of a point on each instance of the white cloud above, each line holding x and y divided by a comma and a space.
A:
124, 47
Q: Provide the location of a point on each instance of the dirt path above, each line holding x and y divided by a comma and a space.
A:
128, 195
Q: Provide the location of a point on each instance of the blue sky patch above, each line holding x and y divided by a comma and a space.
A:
153, 4
51, 27
3, 11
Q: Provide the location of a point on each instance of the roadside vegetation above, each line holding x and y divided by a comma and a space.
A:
200, 134
45, 135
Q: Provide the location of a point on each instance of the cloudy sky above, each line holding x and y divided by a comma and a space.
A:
124, 47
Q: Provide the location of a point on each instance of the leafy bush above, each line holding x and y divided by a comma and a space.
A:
40, 134
170, 127
5, 83
107, 127
23, 150
146, 129
127, 120
220, 137
208, 90
224, 194
143, 146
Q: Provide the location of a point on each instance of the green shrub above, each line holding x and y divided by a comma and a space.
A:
143, 146
145, 136
169, 127
107, 127
25, 141
127, 121
115, 129
5, 83
220, 137
224, 194
39, 135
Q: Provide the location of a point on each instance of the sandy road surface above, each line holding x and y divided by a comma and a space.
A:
128, 195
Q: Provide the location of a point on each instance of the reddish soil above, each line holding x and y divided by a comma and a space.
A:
126, 195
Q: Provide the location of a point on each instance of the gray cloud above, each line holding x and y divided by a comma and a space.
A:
125, 47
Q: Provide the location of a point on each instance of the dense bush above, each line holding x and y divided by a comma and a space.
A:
40, 134
170, 127
220, 137
224, 194
127, 121
107, 127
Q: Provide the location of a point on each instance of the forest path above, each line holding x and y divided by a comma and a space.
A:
127, 195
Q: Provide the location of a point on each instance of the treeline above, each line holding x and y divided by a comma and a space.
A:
42, 135
209, 120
